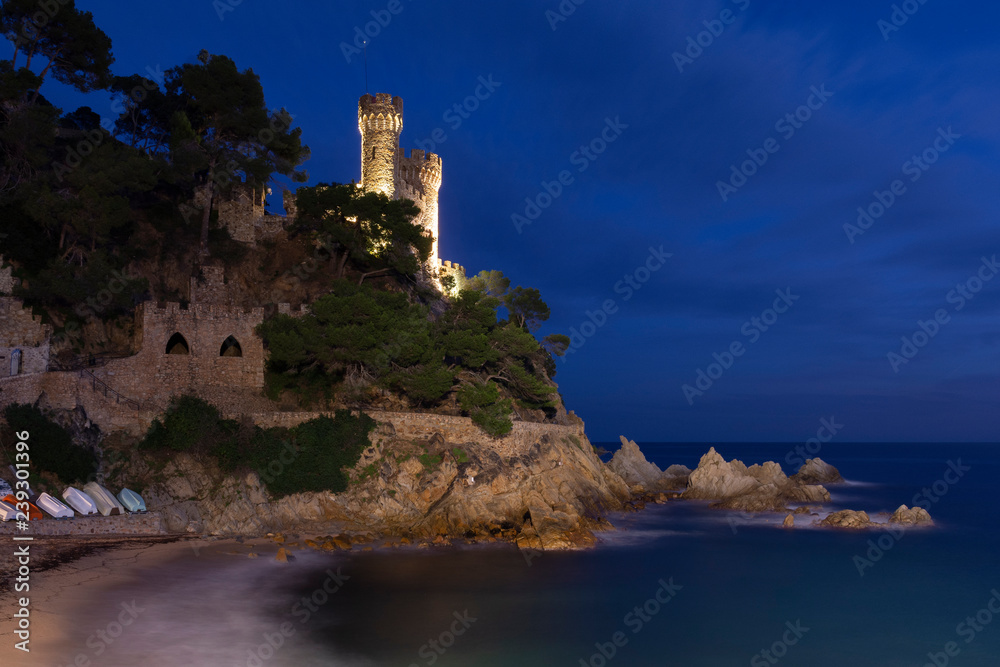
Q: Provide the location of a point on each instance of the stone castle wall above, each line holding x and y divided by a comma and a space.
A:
455, 430
153, 375
22, 335
7, 279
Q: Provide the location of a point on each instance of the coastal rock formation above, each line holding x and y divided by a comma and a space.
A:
917, 516
550, 497
716, 479
789, 521
631, 465
817, 471
758, 488
847, 519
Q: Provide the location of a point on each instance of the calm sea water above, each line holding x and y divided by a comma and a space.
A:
732, 590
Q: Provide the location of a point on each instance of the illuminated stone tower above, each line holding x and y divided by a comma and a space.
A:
385, 168
380, 119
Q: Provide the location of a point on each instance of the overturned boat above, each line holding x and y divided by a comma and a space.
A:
132, 501
34, 514
107, 504
80, 501
7, 513
53, 507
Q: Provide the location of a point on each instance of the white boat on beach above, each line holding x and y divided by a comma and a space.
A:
7, 513
80, 501
53, 507
132, 501
107, 504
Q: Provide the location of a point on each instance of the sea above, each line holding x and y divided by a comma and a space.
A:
673, 584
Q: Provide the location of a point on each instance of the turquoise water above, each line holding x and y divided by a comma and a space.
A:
729, 588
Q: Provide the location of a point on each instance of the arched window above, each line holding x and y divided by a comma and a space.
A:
15, 362
177, 345
231, 348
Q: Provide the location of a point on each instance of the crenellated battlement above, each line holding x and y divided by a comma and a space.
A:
381, 113
172, 309
380, 103
18, 326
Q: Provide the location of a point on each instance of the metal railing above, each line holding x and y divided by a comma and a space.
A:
100, 386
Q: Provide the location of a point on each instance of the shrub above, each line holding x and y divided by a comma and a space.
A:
52, 447
190, 424
483, 404
322, 449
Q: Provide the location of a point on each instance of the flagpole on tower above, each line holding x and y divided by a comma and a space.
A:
366, 67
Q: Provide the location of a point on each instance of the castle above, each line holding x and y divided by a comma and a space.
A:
385, 168
210, 347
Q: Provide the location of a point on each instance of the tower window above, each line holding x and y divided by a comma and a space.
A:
15, 362
231, 348
177, 345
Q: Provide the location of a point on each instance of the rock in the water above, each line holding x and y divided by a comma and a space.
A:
789, 521
917, 516
817, 471
631, 465
810, 493
284, 555
764, 499
847, 519
717, 479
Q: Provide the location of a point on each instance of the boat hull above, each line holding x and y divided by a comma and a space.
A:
132, 501
106, 503
7, 513
34, 514
80, 501
55, 508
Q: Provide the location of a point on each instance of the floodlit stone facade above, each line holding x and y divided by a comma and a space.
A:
387, 169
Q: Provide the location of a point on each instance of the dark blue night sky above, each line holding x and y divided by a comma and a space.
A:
929, 91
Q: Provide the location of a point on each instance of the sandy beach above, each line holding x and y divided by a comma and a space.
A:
65, 572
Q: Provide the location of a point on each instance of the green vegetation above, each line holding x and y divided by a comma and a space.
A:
51, 446
362, 332
430, 461
483, 403
85, 203
460, 455
313, 456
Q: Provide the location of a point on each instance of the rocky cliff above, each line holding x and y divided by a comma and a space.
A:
550, 497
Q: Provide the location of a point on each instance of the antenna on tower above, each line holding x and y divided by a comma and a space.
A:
366, 67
